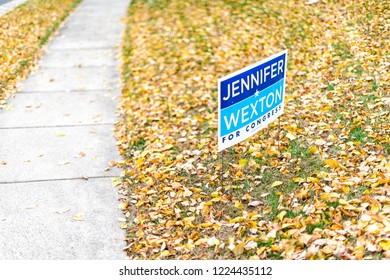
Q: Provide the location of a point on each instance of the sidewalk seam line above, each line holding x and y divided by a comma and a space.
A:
53, 126
82, 67
61, 179
66, 91
86, 48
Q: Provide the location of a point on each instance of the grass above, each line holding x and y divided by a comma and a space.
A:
387, 149
311, 227
358, 134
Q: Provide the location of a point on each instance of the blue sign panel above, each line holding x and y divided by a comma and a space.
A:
250, 99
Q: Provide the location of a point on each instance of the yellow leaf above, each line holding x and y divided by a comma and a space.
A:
302, 194
313, 150
381, 182
78, 217
325, 197
123, 206
260, 250
167, 147
216, 227
273, 152
236, 220
242, 162
298, 180
343, 202
332, 137
214, 194
176, 185
188, 221
238, 249
332, 163
151, 192
116, 182
328, 249
139, 161
164, 253
206, 225
275, 248
231, 243
281, 215
252, 224
276, 183
375, 208
238, 204
194, 236
149, 182
385, 244
139, 233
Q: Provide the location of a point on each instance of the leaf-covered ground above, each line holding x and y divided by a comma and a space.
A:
23, 32
325, 196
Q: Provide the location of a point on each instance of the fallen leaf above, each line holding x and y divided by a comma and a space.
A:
79, 217
242, 162
250, 245
385, 244
255, 203
281, 215
320, 142
276, 183
80, 155
62, 210
313, 150
238, 249
123, 206
213, 241
291, 136
116, 181
331, 163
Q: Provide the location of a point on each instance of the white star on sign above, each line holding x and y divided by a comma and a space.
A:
257, 93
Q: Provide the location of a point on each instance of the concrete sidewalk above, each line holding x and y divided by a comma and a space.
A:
56, 198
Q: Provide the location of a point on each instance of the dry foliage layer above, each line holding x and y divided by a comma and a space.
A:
23, 32
325, 196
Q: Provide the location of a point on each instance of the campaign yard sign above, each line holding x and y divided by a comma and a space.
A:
250, 99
